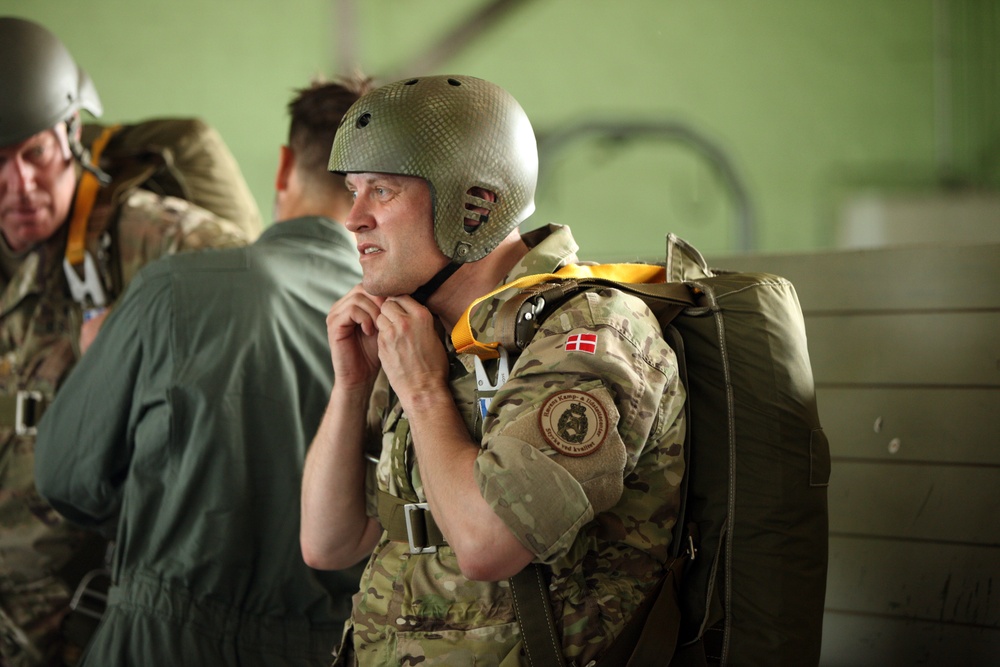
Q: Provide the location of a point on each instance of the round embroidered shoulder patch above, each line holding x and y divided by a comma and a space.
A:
574, 423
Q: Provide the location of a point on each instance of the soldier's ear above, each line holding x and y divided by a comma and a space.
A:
286, 160
480, 213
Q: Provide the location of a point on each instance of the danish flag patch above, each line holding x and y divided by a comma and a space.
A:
582, 343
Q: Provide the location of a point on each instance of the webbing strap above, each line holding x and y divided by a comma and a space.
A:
423, 532
542, 643
514, 327
86, 195
649, 638
22, 411
398, 465
464, 340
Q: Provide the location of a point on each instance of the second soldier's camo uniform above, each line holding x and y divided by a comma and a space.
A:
582, 458
39, 334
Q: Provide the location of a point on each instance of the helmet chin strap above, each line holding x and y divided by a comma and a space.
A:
81, 154
426, 290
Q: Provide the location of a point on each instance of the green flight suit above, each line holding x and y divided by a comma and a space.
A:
187, 424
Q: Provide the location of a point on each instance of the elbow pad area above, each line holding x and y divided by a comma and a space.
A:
546, 483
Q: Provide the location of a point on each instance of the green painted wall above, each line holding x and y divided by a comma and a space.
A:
808, 101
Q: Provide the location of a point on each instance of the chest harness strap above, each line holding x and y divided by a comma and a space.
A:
23, 410
409, 522
464, 340
86, 290
403, 517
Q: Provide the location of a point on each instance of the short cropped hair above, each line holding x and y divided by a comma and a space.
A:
316, 112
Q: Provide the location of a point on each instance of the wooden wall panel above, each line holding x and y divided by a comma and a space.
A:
937, 278
917, 502
934, 348
947, 583
860, 640
907, 424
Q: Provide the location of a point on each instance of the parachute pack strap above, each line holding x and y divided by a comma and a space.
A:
462, 337
651, 635
515, 321
464, 340
86, 195
649, 638
542, 642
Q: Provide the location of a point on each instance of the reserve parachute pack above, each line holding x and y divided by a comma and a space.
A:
748, 582
176, 157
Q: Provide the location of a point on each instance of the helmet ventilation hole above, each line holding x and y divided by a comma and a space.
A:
479, 208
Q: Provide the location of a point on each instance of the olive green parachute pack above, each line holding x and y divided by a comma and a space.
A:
178, 157
748, 582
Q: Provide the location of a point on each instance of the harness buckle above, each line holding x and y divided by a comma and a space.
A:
91, 599
408, 515
87, 291
26, 405
692, 550
486, 388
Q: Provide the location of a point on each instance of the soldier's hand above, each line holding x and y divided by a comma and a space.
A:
353, 335
410, 348
90, 328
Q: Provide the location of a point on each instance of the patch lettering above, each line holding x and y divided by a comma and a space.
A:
574, 423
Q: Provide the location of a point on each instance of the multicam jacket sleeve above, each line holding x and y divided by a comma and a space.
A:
591, 407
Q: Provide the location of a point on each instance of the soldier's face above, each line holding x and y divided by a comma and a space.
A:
37, 181
392, 220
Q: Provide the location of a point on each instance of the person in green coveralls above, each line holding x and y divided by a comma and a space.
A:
214, 372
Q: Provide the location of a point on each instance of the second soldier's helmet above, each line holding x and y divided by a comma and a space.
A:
457, 133
41, 83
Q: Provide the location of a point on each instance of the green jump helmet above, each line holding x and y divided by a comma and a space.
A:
41, 83
457, 133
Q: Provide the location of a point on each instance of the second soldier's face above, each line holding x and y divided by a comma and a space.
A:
392, 220
37, 181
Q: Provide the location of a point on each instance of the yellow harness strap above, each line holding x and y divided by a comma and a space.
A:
86, 195
464, 340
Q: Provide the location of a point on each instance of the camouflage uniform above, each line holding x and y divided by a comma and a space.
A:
581, 457
39, 343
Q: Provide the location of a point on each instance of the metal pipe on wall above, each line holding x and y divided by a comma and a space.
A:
549, 144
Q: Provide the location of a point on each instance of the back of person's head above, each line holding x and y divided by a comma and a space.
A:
316, 112
42, 84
